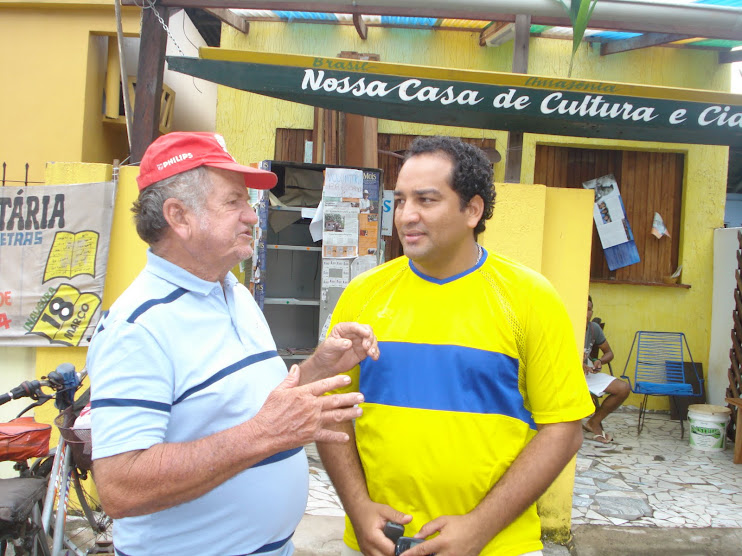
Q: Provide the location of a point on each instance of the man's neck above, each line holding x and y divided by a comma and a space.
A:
174, 253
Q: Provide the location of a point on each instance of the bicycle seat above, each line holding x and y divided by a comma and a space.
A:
17, 497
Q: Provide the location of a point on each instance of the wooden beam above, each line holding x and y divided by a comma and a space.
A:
635, 43
514, 154
458, 12
360, 26
491, 30
152, 46
230, 18
729, 56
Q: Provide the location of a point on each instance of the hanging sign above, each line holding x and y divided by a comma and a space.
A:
612, 224
478, 99
53, 254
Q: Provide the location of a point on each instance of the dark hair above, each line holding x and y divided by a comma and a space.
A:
589, 298
191, 187
472, 171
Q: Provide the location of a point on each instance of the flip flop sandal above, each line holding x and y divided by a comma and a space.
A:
605, 438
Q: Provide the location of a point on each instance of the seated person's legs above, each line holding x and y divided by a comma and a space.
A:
617, 391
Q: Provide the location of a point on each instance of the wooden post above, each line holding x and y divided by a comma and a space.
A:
514, 155
360, 146
152, 47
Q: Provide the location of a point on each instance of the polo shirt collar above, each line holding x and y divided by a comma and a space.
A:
181, 278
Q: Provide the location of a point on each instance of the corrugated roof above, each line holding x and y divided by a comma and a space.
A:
472, 25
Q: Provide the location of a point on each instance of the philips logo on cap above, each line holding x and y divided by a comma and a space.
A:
173, 160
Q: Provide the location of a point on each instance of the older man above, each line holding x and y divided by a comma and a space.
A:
197, 429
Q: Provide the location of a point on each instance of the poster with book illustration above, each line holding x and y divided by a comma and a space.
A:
53, 253
611, 222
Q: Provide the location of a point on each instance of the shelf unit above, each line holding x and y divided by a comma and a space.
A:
287, 264
287, 269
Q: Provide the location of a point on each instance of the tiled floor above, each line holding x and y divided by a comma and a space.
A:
653, 480
322, 497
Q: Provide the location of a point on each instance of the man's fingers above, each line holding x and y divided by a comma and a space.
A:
291, 380
430, 527
341, 415
331, 437
341, 400
327, 384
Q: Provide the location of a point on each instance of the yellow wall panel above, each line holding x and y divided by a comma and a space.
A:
47, 101
566, 256
516, 229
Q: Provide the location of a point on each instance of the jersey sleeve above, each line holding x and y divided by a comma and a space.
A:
556, 389
131, 390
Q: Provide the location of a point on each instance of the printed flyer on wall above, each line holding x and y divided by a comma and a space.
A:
341, 199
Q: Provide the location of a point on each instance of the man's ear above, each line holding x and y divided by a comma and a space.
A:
178, 217
474, 210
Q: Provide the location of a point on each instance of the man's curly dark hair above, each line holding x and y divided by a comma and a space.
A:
472, 171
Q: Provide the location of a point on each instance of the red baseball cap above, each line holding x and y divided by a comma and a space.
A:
181, 151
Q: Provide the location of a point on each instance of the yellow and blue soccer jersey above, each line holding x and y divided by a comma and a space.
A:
467, 367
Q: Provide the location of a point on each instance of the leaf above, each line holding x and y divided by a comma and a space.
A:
579, 12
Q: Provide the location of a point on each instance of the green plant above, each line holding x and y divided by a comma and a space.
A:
579, 12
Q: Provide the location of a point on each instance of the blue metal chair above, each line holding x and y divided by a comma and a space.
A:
659, 369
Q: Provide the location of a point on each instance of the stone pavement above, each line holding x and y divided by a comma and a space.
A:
647, 494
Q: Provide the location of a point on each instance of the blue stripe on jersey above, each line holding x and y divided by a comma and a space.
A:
152, 302
130, 402
280, 456
234, 367
444, 377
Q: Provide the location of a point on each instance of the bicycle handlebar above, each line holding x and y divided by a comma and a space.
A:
32, 388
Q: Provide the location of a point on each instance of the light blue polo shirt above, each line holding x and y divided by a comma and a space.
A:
175, 359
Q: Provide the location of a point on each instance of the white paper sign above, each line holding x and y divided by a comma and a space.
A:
335, 273
343, 182
387, 214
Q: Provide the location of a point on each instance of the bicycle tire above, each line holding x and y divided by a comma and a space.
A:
95, 528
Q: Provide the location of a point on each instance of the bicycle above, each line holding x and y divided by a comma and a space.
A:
35, 506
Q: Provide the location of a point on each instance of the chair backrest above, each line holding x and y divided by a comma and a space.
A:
660, 364
659, 357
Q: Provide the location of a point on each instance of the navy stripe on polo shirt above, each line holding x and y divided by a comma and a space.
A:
144, 307
246, 362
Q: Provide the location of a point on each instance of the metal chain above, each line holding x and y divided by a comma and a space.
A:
164, 25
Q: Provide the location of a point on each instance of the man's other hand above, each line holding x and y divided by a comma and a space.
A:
296, 415
368, 524
348, 344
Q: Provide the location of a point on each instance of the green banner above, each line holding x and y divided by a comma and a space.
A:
476, 99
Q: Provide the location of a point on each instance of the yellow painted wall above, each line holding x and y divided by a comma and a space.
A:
50, 103
543, 228
248, 122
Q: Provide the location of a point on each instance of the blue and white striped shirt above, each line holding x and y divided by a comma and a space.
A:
175, 359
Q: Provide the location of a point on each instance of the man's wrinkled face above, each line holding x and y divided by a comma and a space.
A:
225, 229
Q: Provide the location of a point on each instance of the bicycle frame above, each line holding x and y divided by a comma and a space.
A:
57, 493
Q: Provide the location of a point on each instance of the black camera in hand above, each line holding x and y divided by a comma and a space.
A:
404, 544
395, 533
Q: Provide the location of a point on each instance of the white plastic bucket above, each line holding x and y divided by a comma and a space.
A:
708, 424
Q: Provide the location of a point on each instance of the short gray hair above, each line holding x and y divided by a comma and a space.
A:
192, 188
